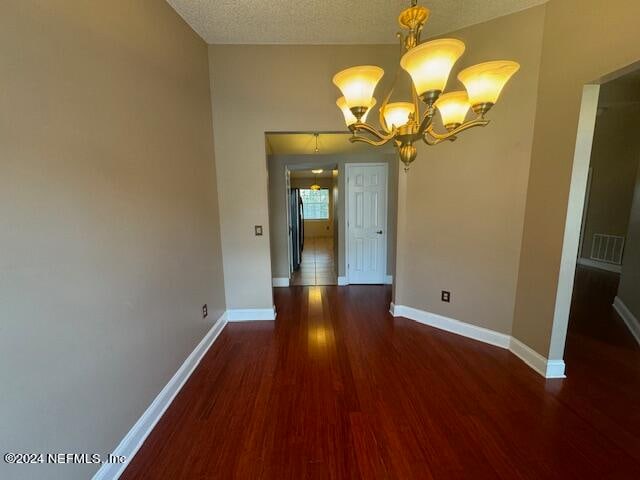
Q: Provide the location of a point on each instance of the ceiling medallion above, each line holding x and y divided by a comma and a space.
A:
429, 65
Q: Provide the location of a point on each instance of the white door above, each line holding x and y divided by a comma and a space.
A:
366, 211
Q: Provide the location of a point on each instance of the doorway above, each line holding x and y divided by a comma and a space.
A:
291, 160
313, 225
608, 250
597, 311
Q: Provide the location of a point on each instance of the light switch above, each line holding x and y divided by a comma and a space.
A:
258, 229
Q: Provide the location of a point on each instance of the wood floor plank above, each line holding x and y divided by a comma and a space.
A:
317, 266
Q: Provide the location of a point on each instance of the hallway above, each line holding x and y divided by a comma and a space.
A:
336, 388
318, 263
603, 361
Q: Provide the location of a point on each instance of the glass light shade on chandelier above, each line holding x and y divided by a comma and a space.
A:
357, 85
484, 82
453, 108
397, 114
349, 118
429, 66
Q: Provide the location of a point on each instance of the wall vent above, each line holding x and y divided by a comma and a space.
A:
607, 248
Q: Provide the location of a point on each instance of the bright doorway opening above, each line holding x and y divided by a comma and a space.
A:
308, 214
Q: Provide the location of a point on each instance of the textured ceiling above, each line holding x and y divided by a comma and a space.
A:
305, 143
329, 21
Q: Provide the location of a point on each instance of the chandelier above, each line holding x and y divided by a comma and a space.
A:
315, 185
429, 65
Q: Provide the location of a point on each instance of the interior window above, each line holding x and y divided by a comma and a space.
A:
315, 203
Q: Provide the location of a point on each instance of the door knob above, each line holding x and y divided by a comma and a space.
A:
379, 232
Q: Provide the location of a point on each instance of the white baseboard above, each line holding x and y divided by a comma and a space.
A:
454, 326
546, 368
629, 318
134, 439
251, 314
342, 281
143, 427
280, 281
609, 267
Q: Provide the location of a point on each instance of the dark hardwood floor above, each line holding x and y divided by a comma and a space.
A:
338, 389
603, 362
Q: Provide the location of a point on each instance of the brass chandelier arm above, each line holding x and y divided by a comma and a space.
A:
365, 127
431, 142
427, 120
440, 137
416, 103
359, 127
375, 143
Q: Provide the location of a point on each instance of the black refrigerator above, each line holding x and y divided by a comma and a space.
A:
297, 227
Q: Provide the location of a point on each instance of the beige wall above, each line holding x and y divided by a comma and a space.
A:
258, 89
614, 161
584, 40
629, 289
110, 242
461, 205
278, 229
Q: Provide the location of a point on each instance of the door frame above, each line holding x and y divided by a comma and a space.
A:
573, 226
585, 210
287, 191
347, 168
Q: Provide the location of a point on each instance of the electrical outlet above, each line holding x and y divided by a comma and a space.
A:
446, 296
258, 230
205, 311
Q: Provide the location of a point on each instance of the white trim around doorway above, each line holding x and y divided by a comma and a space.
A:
573, 221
